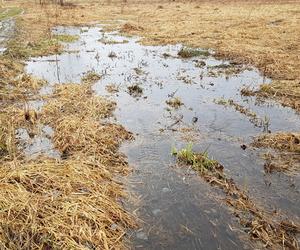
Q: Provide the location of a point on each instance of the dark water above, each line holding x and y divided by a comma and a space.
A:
178, 210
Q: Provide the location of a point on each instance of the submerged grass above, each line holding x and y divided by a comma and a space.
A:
66, 38
272, 229
253, 117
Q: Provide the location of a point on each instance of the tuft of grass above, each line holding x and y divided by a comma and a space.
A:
20, 50
199, 161
112, 54
190, 52
174, 102
135, 90
90, 77
112, 88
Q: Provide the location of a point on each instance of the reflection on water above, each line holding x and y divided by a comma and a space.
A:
178, 209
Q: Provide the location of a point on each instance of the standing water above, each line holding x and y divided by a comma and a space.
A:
177, 208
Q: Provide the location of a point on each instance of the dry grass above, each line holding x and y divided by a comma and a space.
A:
281, 141
287, 151
174, 102
74, 202
60, 205
57, 204
77, 100
69, 203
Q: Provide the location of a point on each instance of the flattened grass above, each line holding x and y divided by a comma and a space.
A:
60, 205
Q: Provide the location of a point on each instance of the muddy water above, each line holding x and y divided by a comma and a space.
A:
178, 210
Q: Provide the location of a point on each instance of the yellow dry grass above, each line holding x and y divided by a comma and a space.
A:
71, 204
287, 151
78, 100
281, 141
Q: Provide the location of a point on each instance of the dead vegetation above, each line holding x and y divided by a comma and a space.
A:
70, 204
90, 77
112, 88
135, 90
263, 40
174, 102
283, 141
226, 69
190, 52
271, 228
286, 154
67, 203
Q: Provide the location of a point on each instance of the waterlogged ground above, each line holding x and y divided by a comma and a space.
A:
177, 209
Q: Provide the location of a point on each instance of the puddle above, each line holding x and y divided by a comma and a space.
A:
6, 30
178, 209
37, 143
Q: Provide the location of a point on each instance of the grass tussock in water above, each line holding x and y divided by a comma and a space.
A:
285, 157
270, 228
174, 102
90, 77
190, 52
281, 141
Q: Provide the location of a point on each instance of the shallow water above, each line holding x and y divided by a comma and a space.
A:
6, 30
178, 209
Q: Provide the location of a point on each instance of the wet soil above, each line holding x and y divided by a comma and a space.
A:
177, 208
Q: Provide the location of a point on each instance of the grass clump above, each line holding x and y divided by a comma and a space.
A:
90, 77
77, 100
135, 90
199, 162
281, 141
174, 102
112, 88
285, 157
190, 52
20, 50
